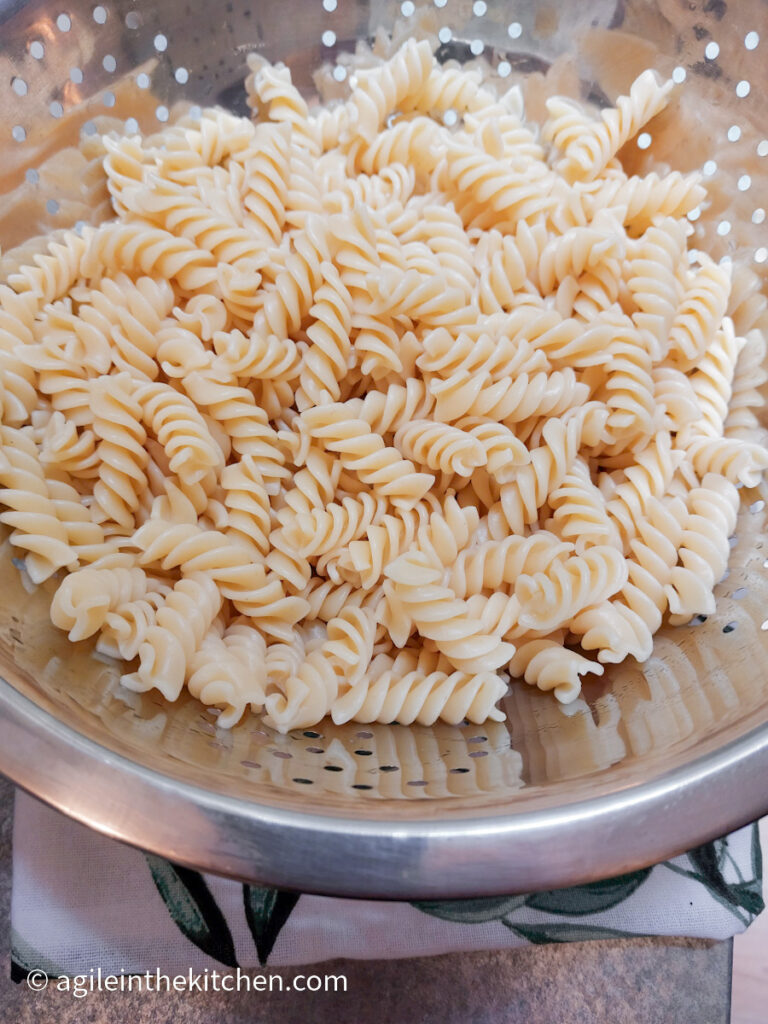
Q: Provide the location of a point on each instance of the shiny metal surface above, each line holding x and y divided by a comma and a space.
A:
652, 760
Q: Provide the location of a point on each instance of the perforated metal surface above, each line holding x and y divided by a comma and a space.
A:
76, 68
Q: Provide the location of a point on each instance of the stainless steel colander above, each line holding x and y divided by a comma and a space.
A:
654, 758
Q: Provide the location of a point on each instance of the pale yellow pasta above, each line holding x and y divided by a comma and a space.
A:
351, 410
228, 670
588, 150
166, 653
416, 596
550, 666
85, 598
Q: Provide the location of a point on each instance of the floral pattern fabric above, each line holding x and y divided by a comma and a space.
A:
83, 901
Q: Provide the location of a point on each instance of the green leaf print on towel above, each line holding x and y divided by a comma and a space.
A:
588, 899
266, 911
193, 909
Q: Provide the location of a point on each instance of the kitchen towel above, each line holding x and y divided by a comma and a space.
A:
82, 901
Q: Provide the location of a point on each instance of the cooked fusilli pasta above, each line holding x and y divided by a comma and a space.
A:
341, 411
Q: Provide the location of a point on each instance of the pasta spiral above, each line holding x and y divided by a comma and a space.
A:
85, 598
122, 457
550, 666
494, 564
412, 688
414, 588
548, 599
170, 644
30, 510
364, 452
588, 151
228, 670
523, 496
704, 548
440, 447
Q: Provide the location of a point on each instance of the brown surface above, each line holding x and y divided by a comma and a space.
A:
640, 981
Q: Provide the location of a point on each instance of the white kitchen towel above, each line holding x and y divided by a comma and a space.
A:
82, 902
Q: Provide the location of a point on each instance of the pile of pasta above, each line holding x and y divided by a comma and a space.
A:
360, 410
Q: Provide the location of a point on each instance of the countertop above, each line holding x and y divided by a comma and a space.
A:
637, 981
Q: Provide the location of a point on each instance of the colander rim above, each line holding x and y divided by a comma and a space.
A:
512, 852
